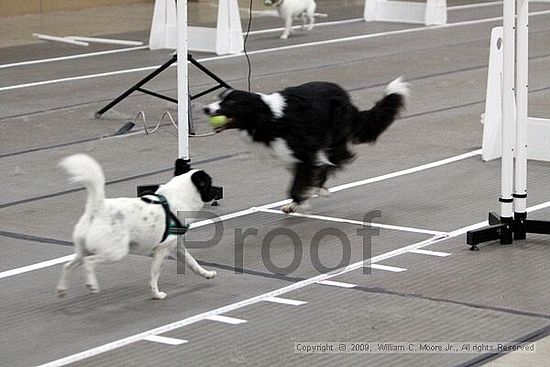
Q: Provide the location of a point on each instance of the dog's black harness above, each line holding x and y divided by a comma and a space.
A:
173, 224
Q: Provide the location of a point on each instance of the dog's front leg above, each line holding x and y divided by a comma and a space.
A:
159, 254
193, 264
288, 25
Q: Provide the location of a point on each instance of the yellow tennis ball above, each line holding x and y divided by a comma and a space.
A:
268, 2
217, 120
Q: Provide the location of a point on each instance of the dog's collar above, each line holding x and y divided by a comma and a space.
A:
173, 224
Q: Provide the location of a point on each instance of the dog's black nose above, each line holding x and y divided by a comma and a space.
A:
206, 110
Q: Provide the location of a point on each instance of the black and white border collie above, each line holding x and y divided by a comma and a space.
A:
311, 128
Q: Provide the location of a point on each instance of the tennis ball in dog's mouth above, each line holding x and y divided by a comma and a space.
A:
217, 120
268, 2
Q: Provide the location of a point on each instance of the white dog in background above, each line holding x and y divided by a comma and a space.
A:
111, 228
290, 9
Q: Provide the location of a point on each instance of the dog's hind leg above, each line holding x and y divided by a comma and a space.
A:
310, 14
193, 264
65, 270
89, 263
301, 190
159, 254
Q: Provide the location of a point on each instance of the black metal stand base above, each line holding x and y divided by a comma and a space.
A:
506, 230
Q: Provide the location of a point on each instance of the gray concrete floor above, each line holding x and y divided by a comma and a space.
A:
499, 294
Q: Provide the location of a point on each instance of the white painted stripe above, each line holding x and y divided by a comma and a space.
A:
82, 77
285, 301
43, 264
225, 319
106, 40
250, 301
358, 222
275, 49
393, 269
406, 171
47, 37
72, 57
164, 340
473, 6
333, 283
286, 201
317, 25
430, 253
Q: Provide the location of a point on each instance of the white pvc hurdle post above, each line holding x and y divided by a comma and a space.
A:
508, 121
183, 82
522, 90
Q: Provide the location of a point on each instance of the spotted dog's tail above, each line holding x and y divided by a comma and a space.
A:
370, 124
84, 170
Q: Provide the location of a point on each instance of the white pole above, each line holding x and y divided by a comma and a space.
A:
508, 115
522, 65
183, 93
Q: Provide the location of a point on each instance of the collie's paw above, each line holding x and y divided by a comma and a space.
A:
284, 36
294, 207
210, 274
159, 295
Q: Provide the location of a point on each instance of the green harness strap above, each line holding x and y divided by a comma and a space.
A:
173, 224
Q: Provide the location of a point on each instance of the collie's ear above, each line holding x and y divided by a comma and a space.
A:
181, 167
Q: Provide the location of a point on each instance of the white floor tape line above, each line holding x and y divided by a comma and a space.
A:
164, 340
285, 301
40, 265
430, 253
393, 269
225, 319
358, 222
333, 283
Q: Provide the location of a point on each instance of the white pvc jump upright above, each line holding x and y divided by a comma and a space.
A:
226, 38
183, 82
432, 12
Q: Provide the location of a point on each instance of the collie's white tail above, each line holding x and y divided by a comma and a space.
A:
84, 170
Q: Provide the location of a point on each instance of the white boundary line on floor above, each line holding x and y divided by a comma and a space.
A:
252, 210
40, 265
262, 297
358, 222
165, 340
430, 253
473, 6
72, 57
282, 48
225, 319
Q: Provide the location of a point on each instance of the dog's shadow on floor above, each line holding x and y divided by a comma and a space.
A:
124, 299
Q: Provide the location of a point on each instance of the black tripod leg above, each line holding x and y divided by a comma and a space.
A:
136, 86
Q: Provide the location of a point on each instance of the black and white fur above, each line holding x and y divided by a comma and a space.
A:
290, 9
311, 128
111, 228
